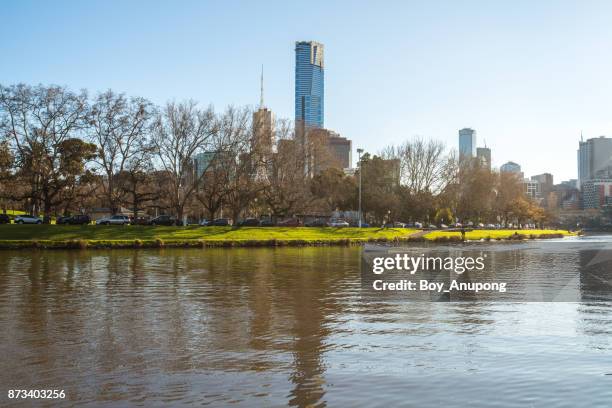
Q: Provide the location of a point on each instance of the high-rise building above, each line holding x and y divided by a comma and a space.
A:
309, 84
467, 143
597, 193
341, 150
512, 167
594, 159
484, 156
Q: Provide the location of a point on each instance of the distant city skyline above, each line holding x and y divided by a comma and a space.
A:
528, 77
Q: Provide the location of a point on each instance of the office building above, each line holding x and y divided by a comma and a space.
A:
546, 182
309, 84
596, 193
467, 143
341, 150
594, 159
511, 167
483, 154
325, 149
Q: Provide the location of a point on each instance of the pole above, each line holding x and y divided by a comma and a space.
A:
359, 151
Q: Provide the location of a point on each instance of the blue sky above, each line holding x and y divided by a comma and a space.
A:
528, 76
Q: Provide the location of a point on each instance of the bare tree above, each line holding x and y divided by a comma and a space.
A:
181, 131
41, 124
285, 189
119, 126
422, 164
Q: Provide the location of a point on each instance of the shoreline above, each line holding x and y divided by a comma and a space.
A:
281, 238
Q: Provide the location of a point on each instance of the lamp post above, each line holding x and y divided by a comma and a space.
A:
359, 151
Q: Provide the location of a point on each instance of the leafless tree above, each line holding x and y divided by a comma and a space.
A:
179, 132
119, 127
423, 164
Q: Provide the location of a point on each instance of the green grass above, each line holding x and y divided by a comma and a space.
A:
195, 233
495, 234
97, 236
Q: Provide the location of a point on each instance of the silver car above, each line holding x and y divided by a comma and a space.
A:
114, 220
27, 219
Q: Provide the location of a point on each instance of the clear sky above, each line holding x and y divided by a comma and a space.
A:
529, 76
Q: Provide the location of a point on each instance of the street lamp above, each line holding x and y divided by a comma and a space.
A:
359, 151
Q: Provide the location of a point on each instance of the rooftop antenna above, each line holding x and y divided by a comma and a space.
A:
581, 138
261, 96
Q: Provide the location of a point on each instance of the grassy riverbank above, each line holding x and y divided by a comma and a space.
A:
478, 235
57, 236
90, 236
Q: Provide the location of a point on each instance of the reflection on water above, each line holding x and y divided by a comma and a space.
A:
288, 326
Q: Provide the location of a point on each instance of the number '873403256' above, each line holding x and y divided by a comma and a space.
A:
36, 394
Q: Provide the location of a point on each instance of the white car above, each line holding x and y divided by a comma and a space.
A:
27, 219
337, 223
114, 220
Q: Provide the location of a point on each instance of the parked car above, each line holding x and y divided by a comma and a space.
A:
62, 220
356, 224
443, 226
163, 220
27, 219
337, 223
316, 223
204, 223
140, 221
249, 222
418, 225
5, 219
267, 223
289, 222
79, 219
114, 220
221, 222
432, 226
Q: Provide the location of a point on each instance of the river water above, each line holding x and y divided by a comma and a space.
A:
290, 326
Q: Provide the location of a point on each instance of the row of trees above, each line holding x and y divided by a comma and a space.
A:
64, 152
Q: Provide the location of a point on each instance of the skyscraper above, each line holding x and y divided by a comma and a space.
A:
309, 84
484, 156
467, 143
512, 167
594, 159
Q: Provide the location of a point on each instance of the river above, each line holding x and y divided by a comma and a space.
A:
292, 326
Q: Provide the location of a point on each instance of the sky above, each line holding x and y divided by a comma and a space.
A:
530, 77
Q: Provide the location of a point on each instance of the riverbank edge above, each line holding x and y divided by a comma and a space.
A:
245, 243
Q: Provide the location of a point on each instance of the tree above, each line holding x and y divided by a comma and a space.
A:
179, 133
285, 189
119, 126
509, 189
228, 177
39, 121
380, 185
334, 189
422, 164
7, 178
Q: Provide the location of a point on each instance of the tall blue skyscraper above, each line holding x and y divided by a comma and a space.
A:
309, 84
467, 143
